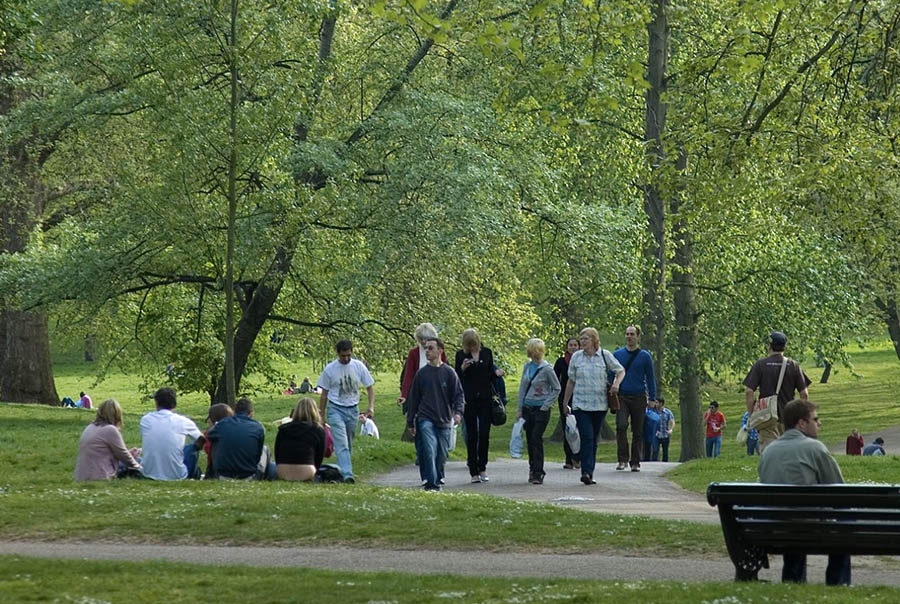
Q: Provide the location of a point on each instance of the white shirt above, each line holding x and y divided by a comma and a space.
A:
162, 441
344, 381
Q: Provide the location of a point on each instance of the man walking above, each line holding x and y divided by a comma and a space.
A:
764, 375
638, 385
435, 403
798, 457
340, 383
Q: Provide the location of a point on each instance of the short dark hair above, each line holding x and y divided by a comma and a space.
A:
343, 346
878, 441
165, 398
438, 341
796, 410
244, 406
714, 404
661, 400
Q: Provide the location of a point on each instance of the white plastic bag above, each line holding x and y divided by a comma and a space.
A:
742, 435
515, 440
452, 438
572, 436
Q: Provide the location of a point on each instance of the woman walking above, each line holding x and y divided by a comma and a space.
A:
586, 391
561, 369
475, 367
537, 390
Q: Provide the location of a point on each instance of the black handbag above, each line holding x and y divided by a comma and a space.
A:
498, 411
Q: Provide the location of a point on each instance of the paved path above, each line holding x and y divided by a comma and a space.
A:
645, 493
866, 571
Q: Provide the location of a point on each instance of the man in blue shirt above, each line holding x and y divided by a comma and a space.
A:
237, 445
638, 385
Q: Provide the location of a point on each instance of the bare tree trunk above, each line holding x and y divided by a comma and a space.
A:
653, 323
686, 313
26, 374
892, 319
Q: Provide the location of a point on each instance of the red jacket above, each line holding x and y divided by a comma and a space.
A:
855, 445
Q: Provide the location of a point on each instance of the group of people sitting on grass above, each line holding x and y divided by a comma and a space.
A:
234, 444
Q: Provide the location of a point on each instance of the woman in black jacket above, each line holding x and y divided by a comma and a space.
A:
475, 367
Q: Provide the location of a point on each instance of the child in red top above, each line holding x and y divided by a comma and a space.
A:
715, 423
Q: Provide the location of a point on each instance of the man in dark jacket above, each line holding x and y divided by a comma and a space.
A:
238, 445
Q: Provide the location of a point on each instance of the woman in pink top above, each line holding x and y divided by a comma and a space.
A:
101, 446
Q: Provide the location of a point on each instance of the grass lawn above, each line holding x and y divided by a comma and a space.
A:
37, 580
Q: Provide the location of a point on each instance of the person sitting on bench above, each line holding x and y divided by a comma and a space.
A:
798, 457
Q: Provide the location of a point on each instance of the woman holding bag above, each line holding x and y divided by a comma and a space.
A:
561, 369
586, 391
537, 391
475, 367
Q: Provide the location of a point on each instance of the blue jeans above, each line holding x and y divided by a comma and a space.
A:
752, 446
343, 422
660, 444
836, 573
713, 446
434, 443
589, 423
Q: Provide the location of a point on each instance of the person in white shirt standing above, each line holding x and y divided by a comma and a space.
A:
339, 402
165, 454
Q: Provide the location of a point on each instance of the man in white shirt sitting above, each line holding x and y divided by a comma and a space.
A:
165, 455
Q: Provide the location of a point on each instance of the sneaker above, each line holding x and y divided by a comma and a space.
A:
483, 477
349, 480
441, 482
538, 479
586, 479
476, 479
636, 468
577, 464
568, 466
621, 465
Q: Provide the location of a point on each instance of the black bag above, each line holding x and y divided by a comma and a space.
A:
498, 411
329, 473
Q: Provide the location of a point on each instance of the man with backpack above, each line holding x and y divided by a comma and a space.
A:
636, 389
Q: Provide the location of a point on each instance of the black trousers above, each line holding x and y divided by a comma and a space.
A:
535, 423
477, 416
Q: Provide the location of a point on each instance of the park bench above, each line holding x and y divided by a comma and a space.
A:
761, 519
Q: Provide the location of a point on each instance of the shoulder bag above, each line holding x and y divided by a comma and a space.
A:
765, 410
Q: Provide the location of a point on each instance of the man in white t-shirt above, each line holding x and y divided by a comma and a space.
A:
340, 383
165, 455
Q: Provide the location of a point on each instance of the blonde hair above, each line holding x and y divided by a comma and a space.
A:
535, 346
471, 341
425, 331
109, 412
306, 411
592, 333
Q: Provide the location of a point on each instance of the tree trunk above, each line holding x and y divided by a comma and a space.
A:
653, 323
253, 318
826, 373
692, 433
892, 319
27, 375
